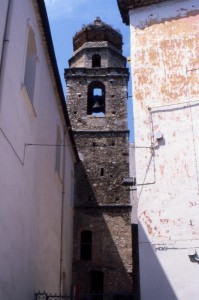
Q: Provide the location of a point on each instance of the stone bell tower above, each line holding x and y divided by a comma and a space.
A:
96, 98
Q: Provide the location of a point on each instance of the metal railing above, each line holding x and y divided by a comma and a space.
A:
45, 296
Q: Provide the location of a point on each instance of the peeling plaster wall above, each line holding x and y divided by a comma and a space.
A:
165, 68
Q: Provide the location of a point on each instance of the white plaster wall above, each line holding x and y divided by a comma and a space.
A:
133, 193
30, 189
166, 92
167, 274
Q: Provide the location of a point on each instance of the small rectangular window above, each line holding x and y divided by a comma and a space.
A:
86, 245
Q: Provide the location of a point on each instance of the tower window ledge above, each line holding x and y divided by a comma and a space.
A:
96, 115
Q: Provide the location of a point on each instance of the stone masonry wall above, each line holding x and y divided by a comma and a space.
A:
102, 204
115, 94
109, 58
111, 252
105, 162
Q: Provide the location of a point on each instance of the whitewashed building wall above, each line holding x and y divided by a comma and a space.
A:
35, 201
165, 64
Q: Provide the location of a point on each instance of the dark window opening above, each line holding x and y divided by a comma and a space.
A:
96, 61
96, 99
97, 285
86, 245
102, 172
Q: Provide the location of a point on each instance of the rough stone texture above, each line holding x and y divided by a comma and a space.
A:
112, 73
112, 251
115, 93
107, 151
110, 56
102, 204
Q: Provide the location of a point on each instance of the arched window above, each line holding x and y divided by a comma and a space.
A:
86, 245
96, 61
96, 98
30, 64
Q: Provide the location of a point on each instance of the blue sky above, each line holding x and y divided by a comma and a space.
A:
66, 17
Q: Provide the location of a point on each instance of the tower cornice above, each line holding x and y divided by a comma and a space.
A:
98, 72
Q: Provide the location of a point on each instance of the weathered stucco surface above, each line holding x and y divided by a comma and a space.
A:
165, 67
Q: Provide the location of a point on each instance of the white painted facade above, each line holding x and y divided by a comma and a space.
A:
164, 65
133, 189
36, 203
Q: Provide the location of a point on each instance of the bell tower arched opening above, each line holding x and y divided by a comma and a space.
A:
96, 98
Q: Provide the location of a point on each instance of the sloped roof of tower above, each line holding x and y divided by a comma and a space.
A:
95, 32
126, 5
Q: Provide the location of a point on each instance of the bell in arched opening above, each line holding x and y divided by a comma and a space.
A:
97, 104
96, 98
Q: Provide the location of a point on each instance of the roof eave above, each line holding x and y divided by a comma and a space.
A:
124, 11
126, 5
51, 52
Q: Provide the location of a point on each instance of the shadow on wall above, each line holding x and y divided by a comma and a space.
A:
106, 268
154, 284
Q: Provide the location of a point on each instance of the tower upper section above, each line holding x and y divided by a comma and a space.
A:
97, 79
97, 32
97, 36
